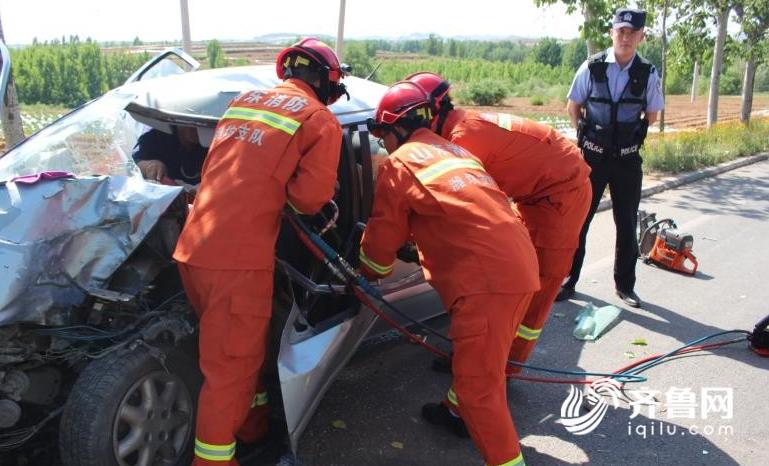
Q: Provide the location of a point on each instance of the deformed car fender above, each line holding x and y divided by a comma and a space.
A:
62, 238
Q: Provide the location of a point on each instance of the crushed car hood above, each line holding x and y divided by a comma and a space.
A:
61, 239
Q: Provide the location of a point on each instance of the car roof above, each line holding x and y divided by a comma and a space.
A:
201, 97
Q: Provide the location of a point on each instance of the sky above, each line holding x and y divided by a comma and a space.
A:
153, 20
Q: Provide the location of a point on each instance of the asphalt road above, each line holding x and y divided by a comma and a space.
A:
370, 416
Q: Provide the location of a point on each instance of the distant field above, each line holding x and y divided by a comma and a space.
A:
680, 113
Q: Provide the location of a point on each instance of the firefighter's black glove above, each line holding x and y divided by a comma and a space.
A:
408, 253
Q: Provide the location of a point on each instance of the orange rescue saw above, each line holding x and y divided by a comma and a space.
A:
660, 242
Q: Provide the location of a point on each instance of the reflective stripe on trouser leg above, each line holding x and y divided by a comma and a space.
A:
212, 452
255, 426
260, 399
526, 336
481, 330
517, 461
234, 323
452, 402
528, 333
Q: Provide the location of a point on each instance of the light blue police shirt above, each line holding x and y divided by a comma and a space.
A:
618, 78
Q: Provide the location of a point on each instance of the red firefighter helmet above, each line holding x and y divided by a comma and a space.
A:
404, 99
435, 86
315, 54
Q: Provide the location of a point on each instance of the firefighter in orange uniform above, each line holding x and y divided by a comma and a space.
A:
542, 172
270, 148
475, 251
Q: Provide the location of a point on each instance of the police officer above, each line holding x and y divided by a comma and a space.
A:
615, 96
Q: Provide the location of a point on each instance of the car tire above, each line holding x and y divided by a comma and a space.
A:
129, 409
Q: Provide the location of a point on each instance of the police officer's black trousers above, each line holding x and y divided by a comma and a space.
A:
624, 179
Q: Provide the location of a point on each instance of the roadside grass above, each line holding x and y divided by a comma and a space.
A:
685, 151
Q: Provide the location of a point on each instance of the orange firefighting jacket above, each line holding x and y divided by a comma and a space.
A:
469, 239
528, 160
270, 147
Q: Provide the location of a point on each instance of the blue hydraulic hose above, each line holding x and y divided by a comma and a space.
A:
661, 359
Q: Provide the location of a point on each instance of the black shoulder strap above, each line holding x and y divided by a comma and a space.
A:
597, 66
639, 73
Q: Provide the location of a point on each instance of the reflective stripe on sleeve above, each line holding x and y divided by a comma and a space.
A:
260, 399
212, 452
438, 169
528, 333
275, 120
380, 269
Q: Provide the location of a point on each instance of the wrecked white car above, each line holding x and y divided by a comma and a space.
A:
97, 341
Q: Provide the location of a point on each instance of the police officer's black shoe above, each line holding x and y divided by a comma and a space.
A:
439, 414
629, 297
567, 292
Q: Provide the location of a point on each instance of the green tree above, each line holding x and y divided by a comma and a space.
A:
359, 58
547, 51
95, 71
574, 53
434, 45
74, 90
452, 49
215, 54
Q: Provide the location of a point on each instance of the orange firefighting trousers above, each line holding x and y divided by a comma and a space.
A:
482, 329
563, 213
234, 308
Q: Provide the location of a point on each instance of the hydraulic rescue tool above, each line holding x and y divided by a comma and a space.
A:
660, 242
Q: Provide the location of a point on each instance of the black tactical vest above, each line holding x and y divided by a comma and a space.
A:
600, 132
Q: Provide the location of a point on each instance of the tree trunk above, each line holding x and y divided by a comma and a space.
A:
718, 59
11, 115
695, 75
664, 61
747, 91
592, 45
12, 129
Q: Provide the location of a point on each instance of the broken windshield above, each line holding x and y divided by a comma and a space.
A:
96, 139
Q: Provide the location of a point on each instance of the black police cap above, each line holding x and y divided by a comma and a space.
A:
629, 18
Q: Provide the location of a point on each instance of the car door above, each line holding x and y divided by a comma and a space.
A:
322, 326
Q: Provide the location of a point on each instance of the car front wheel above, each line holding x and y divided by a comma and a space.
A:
131, 409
